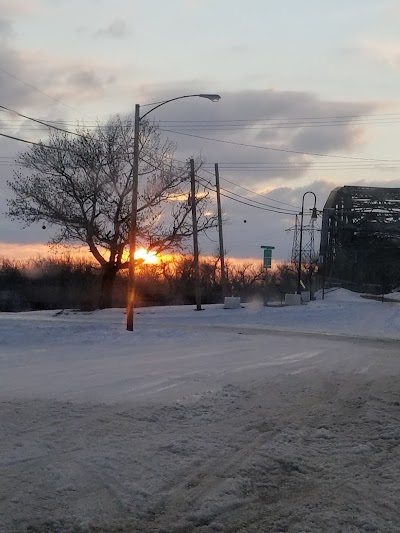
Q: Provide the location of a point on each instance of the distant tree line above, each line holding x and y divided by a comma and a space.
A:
67, 283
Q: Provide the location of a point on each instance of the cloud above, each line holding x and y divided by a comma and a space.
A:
276, 123
191, 6
19, 7
116, 30
14, 91
86, 80
328, 139
6, 29
391, 11
26, 77
384, 52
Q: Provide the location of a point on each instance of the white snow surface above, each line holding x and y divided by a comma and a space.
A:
281, 419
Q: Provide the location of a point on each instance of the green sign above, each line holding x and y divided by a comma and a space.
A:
267, 255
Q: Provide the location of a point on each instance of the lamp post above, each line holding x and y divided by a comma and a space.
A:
313, 217
135, 186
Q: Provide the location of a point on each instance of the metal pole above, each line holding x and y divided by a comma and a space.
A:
313, 216
221, 238
133, 227
195, 237
300, 249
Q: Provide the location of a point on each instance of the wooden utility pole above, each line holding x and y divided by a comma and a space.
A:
130, 310
193, 203
221, 237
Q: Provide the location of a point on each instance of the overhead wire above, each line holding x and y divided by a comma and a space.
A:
266, 127
276, 208
48, 124
253, 192
40, 121
359, 163
315, 117
254, 167
311, 167
250, 126
254, 206
2, 69
22, 140
269, 148
242, 200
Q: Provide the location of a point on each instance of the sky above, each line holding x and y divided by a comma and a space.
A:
309, 96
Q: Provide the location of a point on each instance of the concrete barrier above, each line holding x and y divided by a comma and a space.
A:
232, 302
305, 296
292, 299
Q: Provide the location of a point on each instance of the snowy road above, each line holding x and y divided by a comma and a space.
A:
200, 424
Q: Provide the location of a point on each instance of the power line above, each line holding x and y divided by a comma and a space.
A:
2, 69
253, 192
255, 206
246, 203
250, 126
320, 117
278, 209
258, 194
53, 148
40, 122
269, 148
259, 127
281, 121
284, 166
266, 127
255, 164
23, 140
49, 125
308, 166
376, 116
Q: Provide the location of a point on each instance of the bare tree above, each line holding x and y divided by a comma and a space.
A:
82, 184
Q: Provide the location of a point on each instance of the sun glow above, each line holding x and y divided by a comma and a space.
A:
148, 258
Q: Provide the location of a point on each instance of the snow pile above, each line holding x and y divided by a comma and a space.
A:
342, 295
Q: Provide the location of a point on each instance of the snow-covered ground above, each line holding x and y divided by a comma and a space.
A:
281, 419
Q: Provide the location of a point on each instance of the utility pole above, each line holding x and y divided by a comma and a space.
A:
195, 237
221, 237
130, 310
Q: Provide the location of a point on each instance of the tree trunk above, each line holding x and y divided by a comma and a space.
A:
109, 273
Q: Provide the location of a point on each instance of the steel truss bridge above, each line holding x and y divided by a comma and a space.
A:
360, 235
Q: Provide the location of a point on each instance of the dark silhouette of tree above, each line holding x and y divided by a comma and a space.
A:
82, 184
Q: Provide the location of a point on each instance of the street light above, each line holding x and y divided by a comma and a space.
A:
135, 186
313, 217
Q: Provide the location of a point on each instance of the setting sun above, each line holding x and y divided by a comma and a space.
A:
149, 258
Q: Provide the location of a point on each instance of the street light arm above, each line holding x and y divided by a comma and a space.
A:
315, 197
212, 97
314, 214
